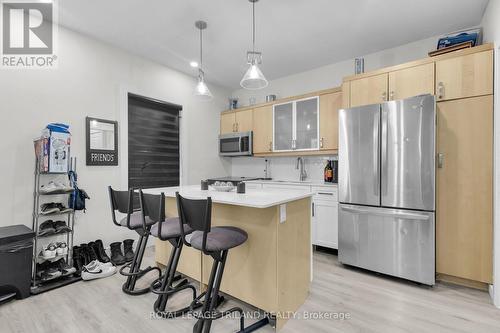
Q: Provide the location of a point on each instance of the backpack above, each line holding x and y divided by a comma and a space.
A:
77, 198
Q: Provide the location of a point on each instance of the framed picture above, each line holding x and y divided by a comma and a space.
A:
101, 141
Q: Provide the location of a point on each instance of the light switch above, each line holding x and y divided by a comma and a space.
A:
282, 213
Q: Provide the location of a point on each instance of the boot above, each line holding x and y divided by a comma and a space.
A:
128, 249
84, 254
117, 257
92, 253
78, 259
101, 253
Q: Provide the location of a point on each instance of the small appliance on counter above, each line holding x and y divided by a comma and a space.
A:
235, 144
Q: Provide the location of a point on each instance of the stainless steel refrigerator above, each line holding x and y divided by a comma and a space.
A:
387, 188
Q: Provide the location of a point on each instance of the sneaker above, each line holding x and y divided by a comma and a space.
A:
49, 208
62, 249
47, 228
49, 252
47, 272
60, 227
97, 270
62, 208
55, 187
64, 267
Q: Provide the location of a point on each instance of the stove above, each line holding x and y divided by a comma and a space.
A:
234, 180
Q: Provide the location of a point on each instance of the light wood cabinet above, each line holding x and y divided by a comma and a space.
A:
466, 76
263, 129
411, 82
464, 224
369, 90
239, 121
346, 95
227, 121
244, 121
329, 105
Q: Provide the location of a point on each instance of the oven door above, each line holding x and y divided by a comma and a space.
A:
235, 144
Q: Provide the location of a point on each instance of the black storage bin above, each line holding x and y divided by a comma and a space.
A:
16, 251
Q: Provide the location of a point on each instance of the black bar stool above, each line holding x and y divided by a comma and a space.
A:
215, 242
166, 229
126, 202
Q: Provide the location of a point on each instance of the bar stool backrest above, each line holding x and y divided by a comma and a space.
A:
196, 213
126, 202
153, 206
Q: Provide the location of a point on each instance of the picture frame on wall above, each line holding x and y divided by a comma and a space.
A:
101, 142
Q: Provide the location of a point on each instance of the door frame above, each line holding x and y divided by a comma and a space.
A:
495, 288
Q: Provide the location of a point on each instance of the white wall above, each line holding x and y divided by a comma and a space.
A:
92, 80
491, 30
331, 75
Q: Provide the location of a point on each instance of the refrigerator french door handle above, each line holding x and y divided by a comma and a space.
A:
384, 155
376, 160
406, 216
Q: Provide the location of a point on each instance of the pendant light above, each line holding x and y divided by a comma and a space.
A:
253, 78
201, 90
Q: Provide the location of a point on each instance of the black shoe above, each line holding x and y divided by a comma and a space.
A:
92, 252
101, 253
117, 257
64, 267
128, 249
78, 259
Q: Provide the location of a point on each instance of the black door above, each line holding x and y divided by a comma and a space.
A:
153, 143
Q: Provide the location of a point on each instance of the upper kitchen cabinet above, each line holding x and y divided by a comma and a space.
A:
412, 81
296, 125
465, 76
369, 90
227, 121
239, 121
244, 120
329, 105
263, 129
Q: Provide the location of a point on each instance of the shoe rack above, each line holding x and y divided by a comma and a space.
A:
39, 285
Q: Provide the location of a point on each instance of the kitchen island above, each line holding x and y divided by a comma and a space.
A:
272, 269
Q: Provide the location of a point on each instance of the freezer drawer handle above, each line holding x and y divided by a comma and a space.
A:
325, 193
407, 216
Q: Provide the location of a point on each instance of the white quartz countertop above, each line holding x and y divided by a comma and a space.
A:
293, 182
256, 198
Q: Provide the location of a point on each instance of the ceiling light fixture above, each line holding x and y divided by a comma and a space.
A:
253, 78
201, 90
193, 64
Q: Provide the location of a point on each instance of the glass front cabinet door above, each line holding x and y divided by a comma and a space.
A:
296, 125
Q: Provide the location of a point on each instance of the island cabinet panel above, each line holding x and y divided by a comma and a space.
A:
227, 123
190, 260
412, 81
244, 121
464, 224
250, 272
369, 90
263, 129
329, 105
466, 76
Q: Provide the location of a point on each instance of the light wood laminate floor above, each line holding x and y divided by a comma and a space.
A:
374, 303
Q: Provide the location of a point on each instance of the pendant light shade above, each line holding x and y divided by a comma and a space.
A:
201, 90
253, 78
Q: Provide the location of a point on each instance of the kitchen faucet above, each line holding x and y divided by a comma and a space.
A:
303, 173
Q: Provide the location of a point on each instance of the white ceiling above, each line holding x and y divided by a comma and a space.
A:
294, 35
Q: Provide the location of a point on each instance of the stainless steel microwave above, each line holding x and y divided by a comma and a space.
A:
235, 144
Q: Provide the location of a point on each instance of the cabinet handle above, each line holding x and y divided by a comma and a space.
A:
384, 96
321, 143
237, 127
270, 146
440, 90
234, 130
440, 160
312, 209
325, 193
391, 95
